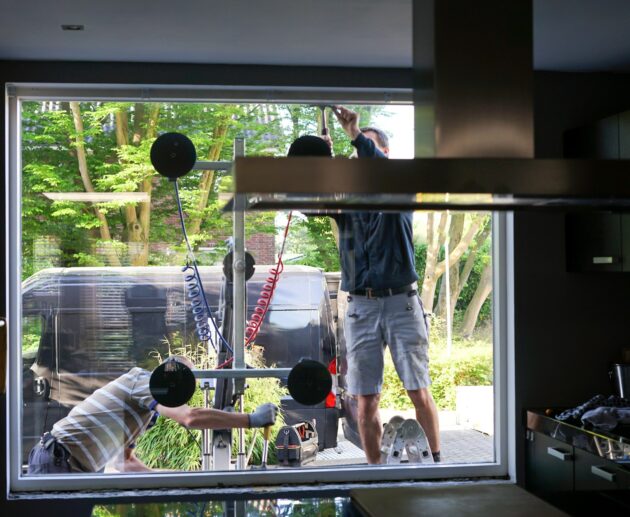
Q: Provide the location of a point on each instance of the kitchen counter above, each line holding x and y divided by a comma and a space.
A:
442, 499
611, 445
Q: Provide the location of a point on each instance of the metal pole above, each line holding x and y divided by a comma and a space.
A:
238, 265
241, 458
212, 166
206, 435
240, 301
447, 282
242, 373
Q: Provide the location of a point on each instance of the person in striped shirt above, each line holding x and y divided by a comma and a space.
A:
108, 422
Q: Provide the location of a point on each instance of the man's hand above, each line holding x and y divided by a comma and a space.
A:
264, 415
129, 462
327, 139
349, 121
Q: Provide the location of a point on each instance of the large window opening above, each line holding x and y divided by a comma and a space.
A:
101, 291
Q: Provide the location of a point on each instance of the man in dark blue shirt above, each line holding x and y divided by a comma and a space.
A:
378, 272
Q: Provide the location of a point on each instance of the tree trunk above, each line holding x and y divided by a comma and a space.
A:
295, 121
479, 240
335, 231
455, 236
434, 270
434, 240
484, 288
122, 127
145, 127
133, 228
219, 134
105, 234
461, 247
139, 126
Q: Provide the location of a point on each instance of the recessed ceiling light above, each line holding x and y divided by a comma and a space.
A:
72, 27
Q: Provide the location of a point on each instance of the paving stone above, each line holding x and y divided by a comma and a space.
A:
457, 446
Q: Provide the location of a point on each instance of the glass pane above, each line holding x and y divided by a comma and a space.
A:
105, 298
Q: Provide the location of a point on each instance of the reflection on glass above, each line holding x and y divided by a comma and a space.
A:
324, 507
611, 449
103, 293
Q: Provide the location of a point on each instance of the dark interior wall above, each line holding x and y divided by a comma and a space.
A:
569, 326
568, 100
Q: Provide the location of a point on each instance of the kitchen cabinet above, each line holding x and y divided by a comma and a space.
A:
571, 468
594, 473
599, 241
608, 138
549, 465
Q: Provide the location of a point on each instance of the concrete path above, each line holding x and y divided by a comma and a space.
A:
459, 444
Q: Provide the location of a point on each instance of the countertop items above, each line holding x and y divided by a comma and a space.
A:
574, 415
612, 445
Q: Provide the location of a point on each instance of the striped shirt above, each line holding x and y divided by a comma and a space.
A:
103, 425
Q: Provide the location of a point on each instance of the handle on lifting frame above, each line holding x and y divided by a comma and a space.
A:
265, 451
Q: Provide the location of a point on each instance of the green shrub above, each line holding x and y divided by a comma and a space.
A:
168, 445
393, 395
468, 364
471, 366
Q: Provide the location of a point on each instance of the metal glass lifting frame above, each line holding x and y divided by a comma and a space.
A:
220, 459
216, 453
240, 304
205, 381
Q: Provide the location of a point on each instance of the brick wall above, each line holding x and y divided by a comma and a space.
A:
262, 247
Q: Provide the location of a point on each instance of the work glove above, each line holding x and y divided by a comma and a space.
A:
264, 415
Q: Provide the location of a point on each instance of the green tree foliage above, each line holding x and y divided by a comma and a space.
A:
313, 242
104, 147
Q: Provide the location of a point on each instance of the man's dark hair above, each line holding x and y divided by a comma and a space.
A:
381, 136
308, 145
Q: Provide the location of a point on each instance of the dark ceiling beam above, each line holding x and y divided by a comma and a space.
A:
197, 74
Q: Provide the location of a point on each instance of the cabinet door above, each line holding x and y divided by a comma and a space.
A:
594, 241
549, 468
595, 473
598, 140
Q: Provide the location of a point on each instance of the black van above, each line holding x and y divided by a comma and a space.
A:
96, 323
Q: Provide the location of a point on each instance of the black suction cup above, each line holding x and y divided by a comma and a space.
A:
249, 266
173, 155
309, 382
172, 383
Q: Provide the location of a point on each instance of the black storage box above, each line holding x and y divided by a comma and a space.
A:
296, 445
326, 419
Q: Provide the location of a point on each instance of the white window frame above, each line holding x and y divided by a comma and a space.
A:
504, 447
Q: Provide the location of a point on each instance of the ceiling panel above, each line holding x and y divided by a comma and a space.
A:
275, 32
569, 35
582, 35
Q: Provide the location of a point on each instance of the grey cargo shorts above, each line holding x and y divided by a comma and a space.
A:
396, 321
